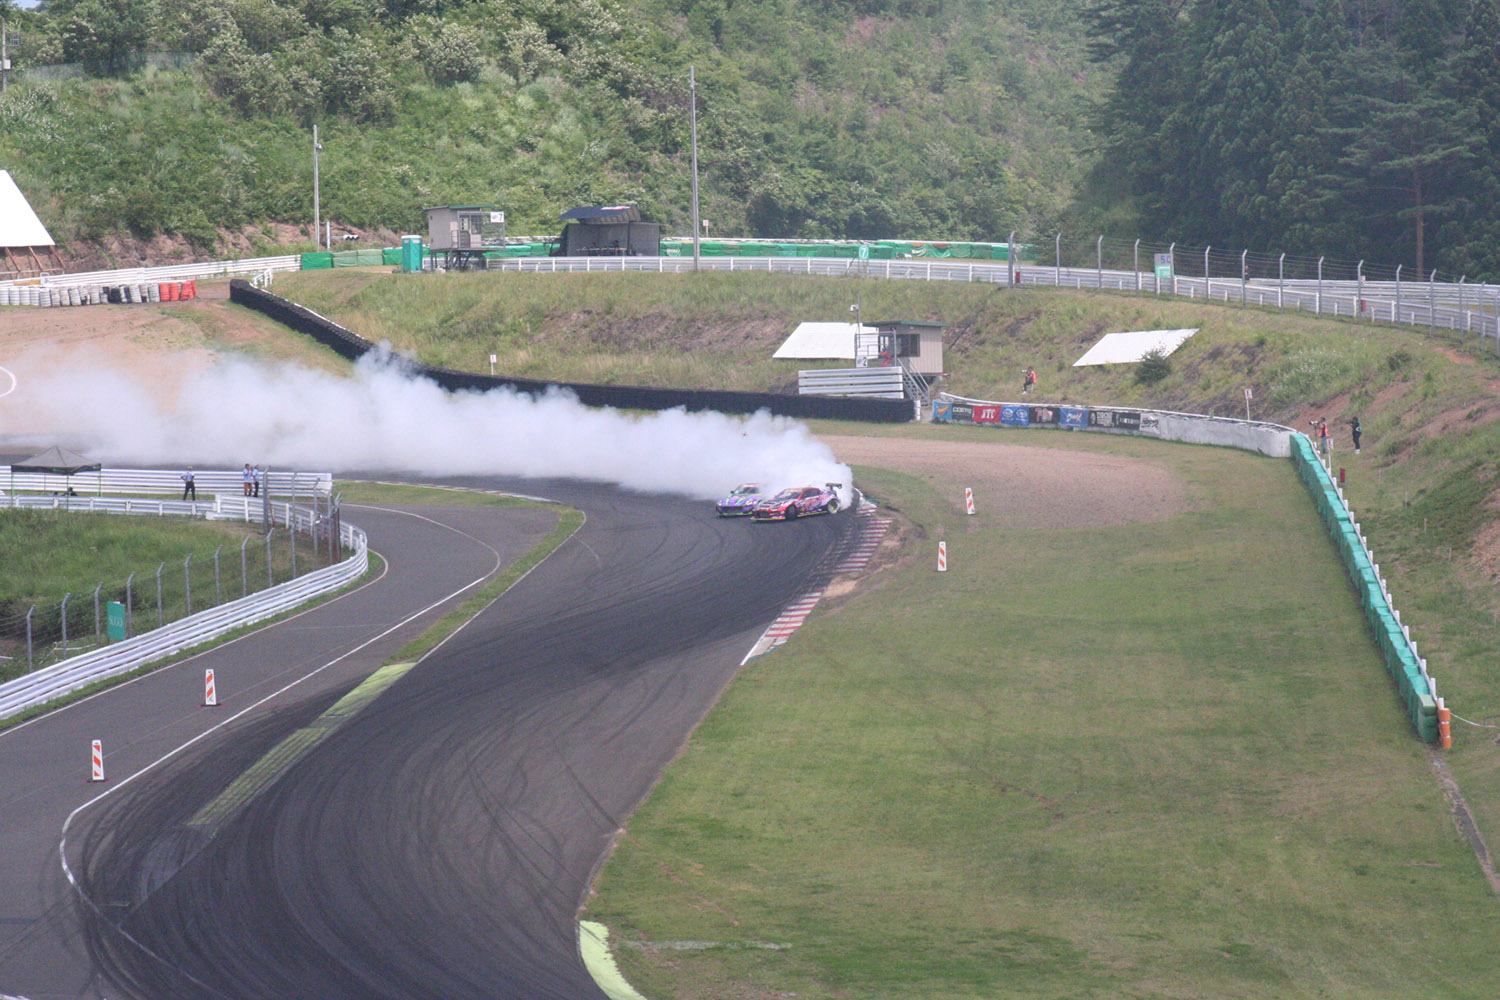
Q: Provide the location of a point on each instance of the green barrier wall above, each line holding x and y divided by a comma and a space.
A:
1400, 662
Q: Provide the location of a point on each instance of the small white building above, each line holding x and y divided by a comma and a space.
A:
26, 248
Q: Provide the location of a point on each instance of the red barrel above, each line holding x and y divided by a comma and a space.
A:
190, 289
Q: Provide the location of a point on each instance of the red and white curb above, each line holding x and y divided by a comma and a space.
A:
851, 557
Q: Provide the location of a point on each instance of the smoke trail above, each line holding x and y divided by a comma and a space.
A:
382, 419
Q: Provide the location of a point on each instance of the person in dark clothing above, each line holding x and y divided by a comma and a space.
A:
189, 485
1355, 430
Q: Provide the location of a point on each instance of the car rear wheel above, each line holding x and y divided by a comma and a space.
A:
833, 506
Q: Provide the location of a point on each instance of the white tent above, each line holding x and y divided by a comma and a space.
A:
828, 341
26, 248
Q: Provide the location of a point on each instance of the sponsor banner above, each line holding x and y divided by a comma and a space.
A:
1017, 416
1044, 415
987, 414
942, 412
1124, 419
1073, 416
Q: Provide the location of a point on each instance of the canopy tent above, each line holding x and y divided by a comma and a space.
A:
54, 461
26, 248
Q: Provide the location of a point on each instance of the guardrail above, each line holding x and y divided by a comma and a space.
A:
168, 272
60, 679
165, 482
1415, 686
1463, 308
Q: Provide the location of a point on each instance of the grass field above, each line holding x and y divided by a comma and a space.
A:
1140, 761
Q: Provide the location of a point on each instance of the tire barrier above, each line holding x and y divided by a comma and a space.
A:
1415, 687
350, 345
49, 296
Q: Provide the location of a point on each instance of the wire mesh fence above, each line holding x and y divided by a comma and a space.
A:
38, 631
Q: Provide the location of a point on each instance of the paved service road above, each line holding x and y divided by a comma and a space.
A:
435, 836
430, 552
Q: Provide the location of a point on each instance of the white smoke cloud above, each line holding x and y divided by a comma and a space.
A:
382, 419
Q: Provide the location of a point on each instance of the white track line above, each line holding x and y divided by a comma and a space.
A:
14, 382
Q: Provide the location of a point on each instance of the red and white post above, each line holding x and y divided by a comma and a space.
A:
969, 500
96, 761
942, 557
210, 696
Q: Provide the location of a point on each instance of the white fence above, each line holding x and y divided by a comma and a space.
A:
159, 481
50, 683
87, 287
1461, 307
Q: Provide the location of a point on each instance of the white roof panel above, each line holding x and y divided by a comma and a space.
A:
821, 341
19, 226
1123, 348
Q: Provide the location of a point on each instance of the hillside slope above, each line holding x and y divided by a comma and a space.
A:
951, 119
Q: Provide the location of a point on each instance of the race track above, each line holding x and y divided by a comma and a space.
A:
439, 841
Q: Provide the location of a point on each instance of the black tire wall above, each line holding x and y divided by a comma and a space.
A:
351, 345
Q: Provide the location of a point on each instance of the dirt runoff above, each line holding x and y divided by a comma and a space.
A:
1030, 486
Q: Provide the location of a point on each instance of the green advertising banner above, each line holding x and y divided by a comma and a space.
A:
115, 620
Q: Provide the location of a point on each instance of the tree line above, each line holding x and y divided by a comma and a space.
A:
1367, 128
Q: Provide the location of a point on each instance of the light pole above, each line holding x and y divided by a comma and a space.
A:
693, 122
857, 327
317, 209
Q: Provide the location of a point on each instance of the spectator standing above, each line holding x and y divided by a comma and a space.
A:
1325, 440
1355, 431
249, 477
189, 485
255, 482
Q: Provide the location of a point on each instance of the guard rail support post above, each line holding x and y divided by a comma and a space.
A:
1397, 314
96, 608
159, 619
187, 582
30, 659
218, 591
292, 537
244, 568
1137, 267
65, 625
270, 581
129, 613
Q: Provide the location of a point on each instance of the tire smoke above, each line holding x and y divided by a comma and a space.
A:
287, 416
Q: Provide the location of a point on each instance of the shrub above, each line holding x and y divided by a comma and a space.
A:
1153, 367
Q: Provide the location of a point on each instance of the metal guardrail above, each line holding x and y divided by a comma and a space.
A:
165, 482
1466, 309
170, 272
53, 682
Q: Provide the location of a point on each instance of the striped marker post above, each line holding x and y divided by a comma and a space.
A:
1445, 726
96, 766
942, 557
969, 500
210, 696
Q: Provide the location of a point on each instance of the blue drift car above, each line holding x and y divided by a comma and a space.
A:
741, 501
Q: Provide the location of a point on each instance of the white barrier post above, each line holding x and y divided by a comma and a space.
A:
96, 769
969, 499
942, 557
210, 696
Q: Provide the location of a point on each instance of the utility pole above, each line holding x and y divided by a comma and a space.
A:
4, 58
317, 210
693, 120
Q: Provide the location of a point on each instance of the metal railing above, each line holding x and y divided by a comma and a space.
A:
1456, 306
40, 686
162, 481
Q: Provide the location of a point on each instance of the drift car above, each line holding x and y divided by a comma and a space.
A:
741, 500
795, 502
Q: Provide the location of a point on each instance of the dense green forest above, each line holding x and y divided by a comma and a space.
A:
1365, 128
1359, 129
862, 118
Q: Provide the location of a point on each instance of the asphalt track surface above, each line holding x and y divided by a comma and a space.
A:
437, 842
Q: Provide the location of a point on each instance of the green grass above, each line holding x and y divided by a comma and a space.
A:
1137, 761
